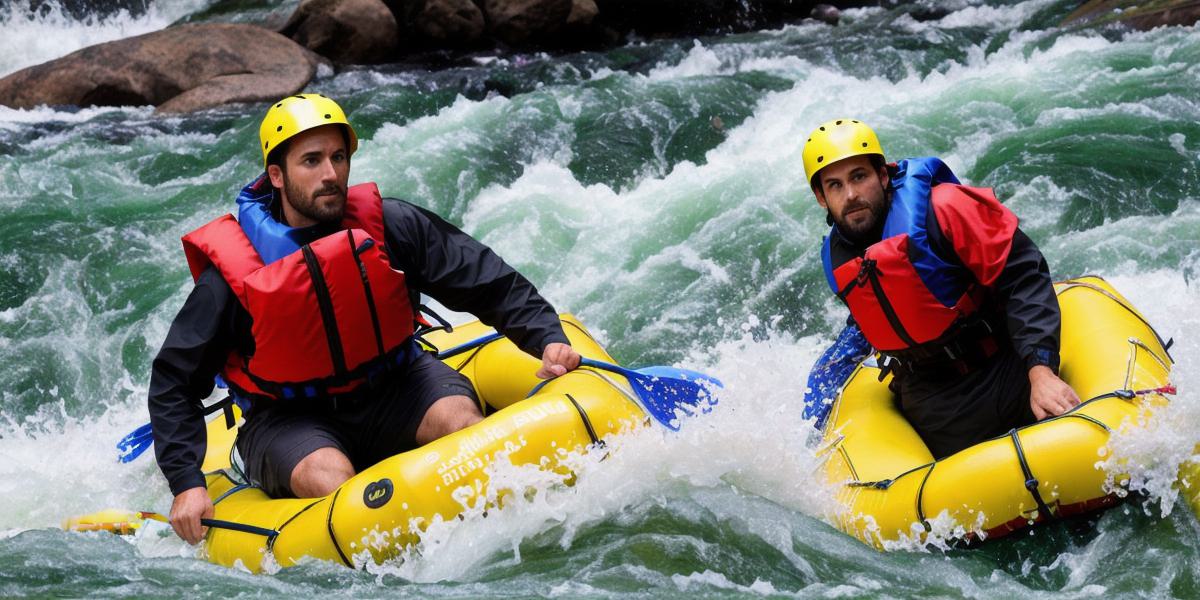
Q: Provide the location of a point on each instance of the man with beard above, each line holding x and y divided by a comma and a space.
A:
943, 284
305, 305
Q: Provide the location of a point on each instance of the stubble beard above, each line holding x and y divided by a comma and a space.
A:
868, 230
317, 205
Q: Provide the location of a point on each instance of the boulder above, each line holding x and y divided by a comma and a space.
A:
520, 22
1138, 15
178, 69
346, 31
826, 13
1177, 13
448, 23
583, 12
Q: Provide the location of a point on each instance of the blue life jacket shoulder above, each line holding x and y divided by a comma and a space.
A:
908, 212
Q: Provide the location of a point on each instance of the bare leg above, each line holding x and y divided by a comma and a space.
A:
321, 472
446, 416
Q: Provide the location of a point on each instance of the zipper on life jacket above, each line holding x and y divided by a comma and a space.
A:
362, 270
328, 317
869, 273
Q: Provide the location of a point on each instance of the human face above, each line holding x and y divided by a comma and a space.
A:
855, 194
314, 183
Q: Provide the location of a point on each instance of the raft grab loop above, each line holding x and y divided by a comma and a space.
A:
1031, 482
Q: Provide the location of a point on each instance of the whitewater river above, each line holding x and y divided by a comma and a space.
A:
656, 191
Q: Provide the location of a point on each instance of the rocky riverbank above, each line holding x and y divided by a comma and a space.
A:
197, 65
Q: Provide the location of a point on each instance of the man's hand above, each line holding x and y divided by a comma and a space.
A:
1048, 395
557, 359
186, 511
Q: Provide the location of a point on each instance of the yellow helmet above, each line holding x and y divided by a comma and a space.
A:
835, 140
301, 112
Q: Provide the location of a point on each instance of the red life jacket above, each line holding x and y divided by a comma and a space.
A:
326, 318
900, 292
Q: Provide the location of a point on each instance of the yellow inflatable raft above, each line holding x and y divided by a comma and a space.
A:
374, 515
889, 488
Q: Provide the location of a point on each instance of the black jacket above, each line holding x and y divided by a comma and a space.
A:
437, 258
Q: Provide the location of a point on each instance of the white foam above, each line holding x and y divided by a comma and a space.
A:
35, 36
1152, 453
14, 118
995, 18
699, 61
763, 451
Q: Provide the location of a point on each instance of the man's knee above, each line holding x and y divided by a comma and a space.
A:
446, 416
321, 472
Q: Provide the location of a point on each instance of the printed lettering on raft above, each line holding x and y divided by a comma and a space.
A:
457, 473
465, 460
538, 413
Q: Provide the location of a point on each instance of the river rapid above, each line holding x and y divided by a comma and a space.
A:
656, 191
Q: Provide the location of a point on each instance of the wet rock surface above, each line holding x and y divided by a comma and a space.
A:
345, 31
183, 68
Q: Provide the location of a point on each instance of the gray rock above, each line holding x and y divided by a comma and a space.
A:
179, 69
826, 13
520, 22
346, 31
449, 23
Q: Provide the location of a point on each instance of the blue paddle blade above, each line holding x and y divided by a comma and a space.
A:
665, 390
682, 374
135, 443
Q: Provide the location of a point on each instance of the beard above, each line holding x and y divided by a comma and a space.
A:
326, 204
867, 230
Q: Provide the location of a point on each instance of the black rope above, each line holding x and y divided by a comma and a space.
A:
231, 491
1078, 282
884, 484
587, 423
332, 535
242, 527
921, 497
470, 358
1090, 419
270, 546
1031, 482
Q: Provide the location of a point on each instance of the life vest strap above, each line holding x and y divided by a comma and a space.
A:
224, 405
370, 374
966, 348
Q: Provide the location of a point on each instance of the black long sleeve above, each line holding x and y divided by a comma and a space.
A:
182, 376
1025, 293
467, 276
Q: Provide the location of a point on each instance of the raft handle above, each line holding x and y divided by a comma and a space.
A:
1031, 482
270, 534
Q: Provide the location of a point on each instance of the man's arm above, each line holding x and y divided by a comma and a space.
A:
1026, 293
467, 276
181, 377
983, 235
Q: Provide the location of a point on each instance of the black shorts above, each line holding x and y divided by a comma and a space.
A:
380, 423
953, 412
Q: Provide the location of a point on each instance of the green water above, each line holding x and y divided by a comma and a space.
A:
657, 192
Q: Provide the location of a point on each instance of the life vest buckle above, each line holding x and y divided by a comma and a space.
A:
865, 270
